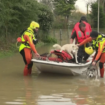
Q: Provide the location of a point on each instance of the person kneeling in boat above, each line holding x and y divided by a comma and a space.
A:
27, 46
98, 44
78, 28
82, 31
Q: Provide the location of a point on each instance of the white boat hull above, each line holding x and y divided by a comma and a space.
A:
61, 67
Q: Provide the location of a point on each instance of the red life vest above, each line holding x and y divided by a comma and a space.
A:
82, 35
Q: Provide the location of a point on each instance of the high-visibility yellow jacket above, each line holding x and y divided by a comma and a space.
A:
27, 40
98, 44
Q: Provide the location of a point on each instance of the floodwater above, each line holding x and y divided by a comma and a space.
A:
46, 89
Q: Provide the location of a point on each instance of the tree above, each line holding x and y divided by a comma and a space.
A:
64, 8
49, 4
16, 15
45, 19
93, 15
27, 14
7, 14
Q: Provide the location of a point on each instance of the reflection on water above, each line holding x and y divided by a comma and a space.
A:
54, 99
46, 89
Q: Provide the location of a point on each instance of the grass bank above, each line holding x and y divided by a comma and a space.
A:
8, 45
9, 49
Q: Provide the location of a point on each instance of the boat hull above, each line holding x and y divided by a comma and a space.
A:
61, 67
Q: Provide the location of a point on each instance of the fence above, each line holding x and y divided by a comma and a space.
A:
62, 35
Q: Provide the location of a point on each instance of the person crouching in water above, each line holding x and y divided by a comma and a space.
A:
98, 44
27, 46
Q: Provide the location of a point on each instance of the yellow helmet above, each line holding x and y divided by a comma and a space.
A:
89, 50
34, 25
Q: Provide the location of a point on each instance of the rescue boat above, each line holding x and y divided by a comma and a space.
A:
63, 64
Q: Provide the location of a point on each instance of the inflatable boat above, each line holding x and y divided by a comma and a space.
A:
62, 64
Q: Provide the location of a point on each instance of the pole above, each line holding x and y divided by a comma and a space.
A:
87, 10
60, 36
98, 17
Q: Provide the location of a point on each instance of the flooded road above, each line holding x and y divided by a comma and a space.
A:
46, 89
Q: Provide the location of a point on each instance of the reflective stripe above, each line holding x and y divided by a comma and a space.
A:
79, 34
87, 33
103, 35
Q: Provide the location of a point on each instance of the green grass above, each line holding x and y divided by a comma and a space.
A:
8, 48
4, 54
12, 49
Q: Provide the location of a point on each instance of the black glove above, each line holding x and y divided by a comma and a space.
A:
35, 41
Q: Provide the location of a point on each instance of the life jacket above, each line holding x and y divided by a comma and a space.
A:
82, 35
64, 56
100, 38
28, 32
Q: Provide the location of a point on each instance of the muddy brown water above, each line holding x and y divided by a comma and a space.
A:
46, 89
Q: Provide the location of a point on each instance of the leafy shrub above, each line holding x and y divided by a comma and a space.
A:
49, 39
